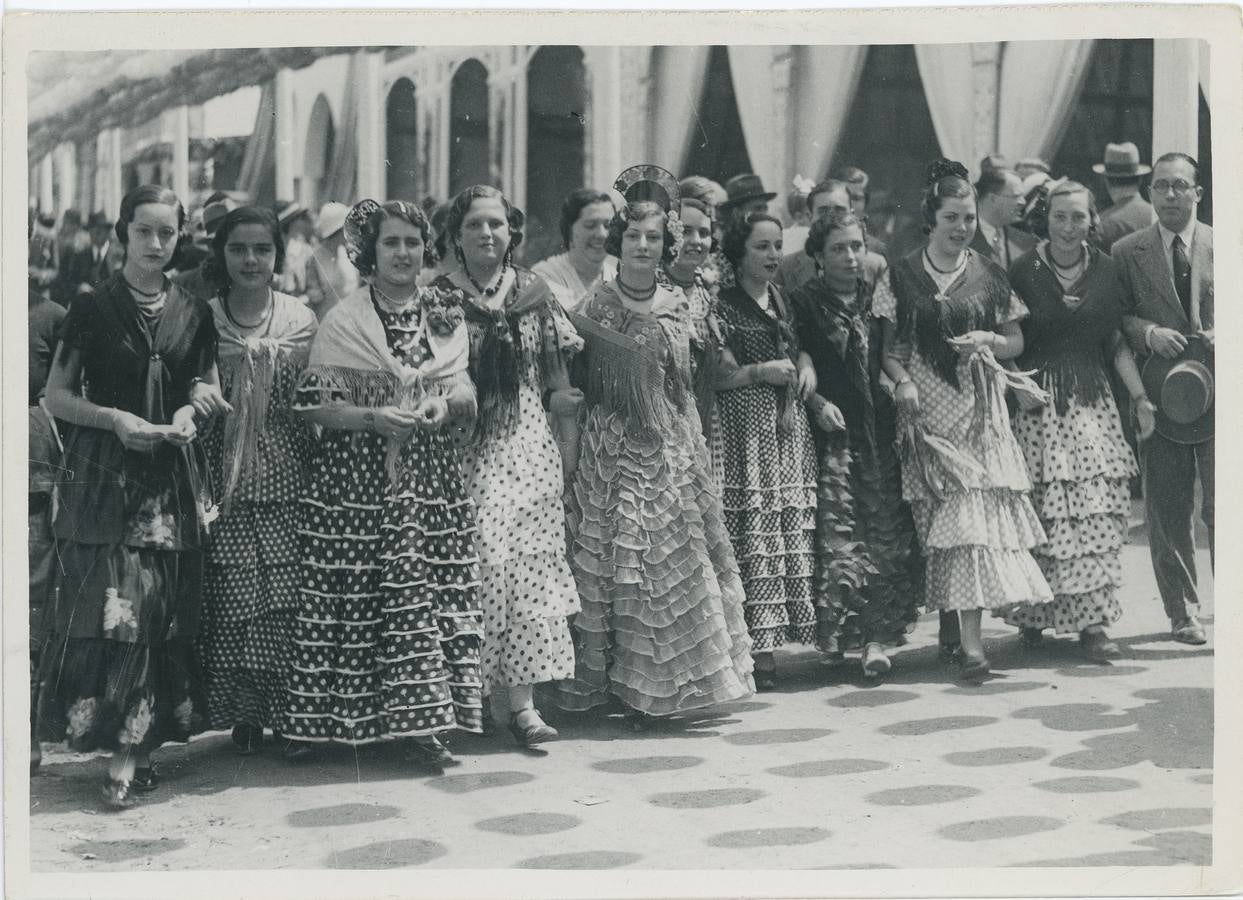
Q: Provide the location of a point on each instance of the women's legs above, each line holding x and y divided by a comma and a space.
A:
525, 723
116, 790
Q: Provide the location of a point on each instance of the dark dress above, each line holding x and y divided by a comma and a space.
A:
121, 667
769, 491
1079, 461
869, 571
386, 635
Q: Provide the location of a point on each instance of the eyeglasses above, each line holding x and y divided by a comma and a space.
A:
1179, 187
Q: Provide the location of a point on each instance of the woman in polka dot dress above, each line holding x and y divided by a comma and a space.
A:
962, 470
1079, 462
662, 627
387, 633
521, 344
258, 454
770, 460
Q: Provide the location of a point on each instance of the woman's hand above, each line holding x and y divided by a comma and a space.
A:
777, 372
566, 402
432, 413
830, 418
183, 430
973, 341
1145, 418
135, 432
207, 399
806, 381
394, 423
906, 395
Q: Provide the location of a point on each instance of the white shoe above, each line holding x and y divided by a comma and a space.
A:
875, 662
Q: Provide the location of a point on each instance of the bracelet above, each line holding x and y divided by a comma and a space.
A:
905, 379
368, 420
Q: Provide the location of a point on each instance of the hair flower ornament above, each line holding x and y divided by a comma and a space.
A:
443, 309
355, 228
803, 184
677, 230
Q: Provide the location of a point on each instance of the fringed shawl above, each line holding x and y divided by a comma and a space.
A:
779, 333
248, 370
350, 354
629, 365
1068, 334
527, 339
977, 300
706, 338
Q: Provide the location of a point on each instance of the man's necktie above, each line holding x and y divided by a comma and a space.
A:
1182, 275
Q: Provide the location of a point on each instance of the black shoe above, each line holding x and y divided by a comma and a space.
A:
428, 752
537, 731
974, 668
1031, 637
248, 739
298, 751
146, 778
636, 720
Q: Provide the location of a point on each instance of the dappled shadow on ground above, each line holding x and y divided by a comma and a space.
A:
1172, 729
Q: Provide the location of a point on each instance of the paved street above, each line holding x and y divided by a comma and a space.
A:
1052, 762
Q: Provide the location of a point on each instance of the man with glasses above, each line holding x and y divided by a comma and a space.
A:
1166, 275
999, 204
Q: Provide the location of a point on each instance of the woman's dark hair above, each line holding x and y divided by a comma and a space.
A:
637, 212
827, 187
216, 270
141, 196
439, 218
573, 207
823, 226
738, 230
946, 179
460, 206
991, 181
406, 211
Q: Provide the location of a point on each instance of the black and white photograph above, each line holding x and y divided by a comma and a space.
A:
619, 454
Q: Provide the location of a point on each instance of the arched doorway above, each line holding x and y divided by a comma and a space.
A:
718, 147
468, 127
401, 152
321, 139
556, 111
889, 134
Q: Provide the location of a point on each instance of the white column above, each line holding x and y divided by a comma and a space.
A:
67, 176
282, 85
783, 126
116, 175
605, 124
985, 87
181, 153
1175, 95
47, 195
518, 126
371, 137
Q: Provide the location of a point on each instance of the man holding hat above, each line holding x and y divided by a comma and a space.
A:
1166, 275
1128, 212
330, 276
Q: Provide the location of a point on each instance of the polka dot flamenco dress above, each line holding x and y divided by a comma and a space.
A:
254, 563
387, 633
1079, 462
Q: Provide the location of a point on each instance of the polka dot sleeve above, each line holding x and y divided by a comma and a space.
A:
884, 303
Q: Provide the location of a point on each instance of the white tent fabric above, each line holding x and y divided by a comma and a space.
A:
826, 81
945, 70
676, 85
1043, 76
751, 70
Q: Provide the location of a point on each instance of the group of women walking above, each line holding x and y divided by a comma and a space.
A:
612, 480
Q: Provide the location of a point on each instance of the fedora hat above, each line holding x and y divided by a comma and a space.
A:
742, 188
98, 220
214, 213
1182, 389
1121, 161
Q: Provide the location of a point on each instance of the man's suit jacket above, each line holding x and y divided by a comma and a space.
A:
1148, 284
1017, 242
1122, 219
798, 268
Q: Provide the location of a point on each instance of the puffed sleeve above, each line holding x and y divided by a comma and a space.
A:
78, 328
884, 303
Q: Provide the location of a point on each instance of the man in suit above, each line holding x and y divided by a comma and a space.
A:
798, 268
999, 204
101, 249
1128, 212
1166, 275
857, 182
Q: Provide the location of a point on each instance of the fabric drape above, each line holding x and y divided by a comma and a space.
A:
1039, 75
945, 70
751, 70
826, 80
676, 88
341, 180
261, 148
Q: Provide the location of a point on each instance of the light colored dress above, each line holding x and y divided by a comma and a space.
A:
565, 282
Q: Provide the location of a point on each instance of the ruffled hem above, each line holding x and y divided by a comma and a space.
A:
242, 696
1001, 467
661, 625
1083, 444
1075, 538
1070, 613
1082, 574
997, 520
1071, 500
984, 578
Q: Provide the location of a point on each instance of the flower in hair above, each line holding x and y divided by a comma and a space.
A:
443, 309
355, 229
677, 230
803, 184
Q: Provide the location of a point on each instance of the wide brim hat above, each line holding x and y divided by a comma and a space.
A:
214, 213
1182, 389
331, 219
290, 211
1121, 161
743, 188
98, 220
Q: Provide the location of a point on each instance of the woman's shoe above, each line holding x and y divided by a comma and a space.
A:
636, 720
949, 653
875, 662
1031, 637
1097, 646
974, 667
146, 778
428, 752
298, 751
247, 739
536, 731
116, 794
